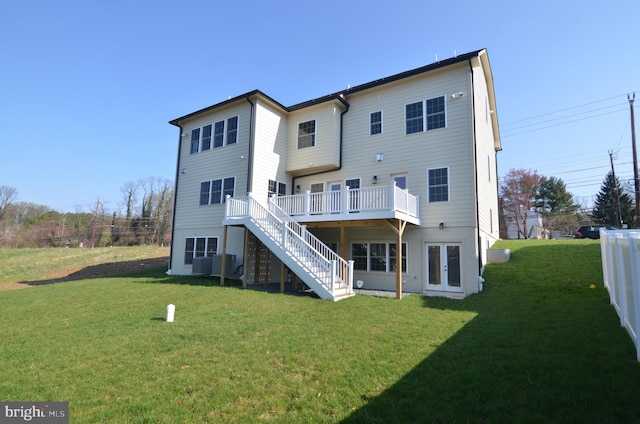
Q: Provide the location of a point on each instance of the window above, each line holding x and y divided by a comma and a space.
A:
381, 257
218, 134
375, 122
378, 257
232, 130
433, 118
206, 137
306, 134
393, 257
214, 192
439, 185
277, 188
195, 140
205, 189
435, 113
196, 247
414, 117
359, 256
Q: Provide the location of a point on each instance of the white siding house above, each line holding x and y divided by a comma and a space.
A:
401, 170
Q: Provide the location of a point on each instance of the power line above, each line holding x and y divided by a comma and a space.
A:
565, 109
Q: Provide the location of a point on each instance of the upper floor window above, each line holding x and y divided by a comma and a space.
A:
232, 130
375, 123
414, 117
215, 191
277, 188
218, 134
435, 113
206, 137
307, 134
439, 185
430, 114
195, 140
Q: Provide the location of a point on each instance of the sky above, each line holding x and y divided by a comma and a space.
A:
87, 87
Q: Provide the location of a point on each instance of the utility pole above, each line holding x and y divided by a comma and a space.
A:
635, 159
617, 206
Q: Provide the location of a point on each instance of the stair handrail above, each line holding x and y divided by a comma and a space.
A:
343, 269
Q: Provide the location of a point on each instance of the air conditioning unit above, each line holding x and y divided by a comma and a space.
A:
201, 266
216, 265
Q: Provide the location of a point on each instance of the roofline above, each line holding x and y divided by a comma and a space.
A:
406, 74
249, 94
339, 95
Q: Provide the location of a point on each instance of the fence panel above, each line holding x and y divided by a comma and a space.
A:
620, 250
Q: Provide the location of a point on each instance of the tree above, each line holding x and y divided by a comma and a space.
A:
518, 191
7, 195
556, 206
607, 209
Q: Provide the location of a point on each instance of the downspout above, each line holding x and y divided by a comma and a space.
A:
347, 105
251, 148
175, 198
475, 167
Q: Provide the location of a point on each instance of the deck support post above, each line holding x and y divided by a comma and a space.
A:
399, 230
224, 255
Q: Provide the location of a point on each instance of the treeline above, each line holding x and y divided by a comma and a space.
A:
144, 217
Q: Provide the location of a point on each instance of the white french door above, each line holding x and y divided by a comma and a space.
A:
335, 197
444, 270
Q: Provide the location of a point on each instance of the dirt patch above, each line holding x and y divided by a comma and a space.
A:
94, 271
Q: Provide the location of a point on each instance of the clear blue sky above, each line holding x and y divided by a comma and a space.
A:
88, 86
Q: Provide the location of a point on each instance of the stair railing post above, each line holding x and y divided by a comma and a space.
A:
284, 235
249, 204
333, 275
350, 277
306, 203
346, 206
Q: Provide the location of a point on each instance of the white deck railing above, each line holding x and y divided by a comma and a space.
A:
368, 199
318, 260
620, 251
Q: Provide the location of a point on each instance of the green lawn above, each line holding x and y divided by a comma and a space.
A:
538, 345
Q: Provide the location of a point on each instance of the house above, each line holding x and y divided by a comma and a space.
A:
389, 185
533, 228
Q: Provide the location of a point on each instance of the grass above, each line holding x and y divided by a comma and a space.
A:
31, 265
538, 345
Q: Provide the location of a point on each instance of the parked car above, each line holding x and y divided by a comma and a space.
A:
592, 231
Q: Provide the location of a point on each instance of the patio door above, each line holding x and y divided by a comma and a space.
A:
354, 194
335, 196
444, 267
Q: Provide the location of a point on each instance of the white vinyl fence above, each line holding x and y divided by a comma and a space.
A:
621, 272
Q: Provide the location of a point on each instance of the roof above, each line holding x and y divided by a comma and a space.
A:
339, 95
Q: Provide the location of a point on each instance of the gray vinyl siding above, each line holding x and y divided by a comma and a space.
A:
192, 219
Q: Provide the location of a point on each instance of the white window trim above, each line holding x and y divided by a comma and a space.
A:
381, 122
222, 180
424, 115
405, 251
448, 184
225, 131
195, 238
315, 139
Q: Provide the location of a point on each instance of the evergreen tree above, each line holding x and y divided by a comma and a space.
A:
556, 206
607, 210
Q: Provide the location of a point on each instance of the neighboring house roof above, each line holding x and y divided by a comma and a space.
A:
339, 95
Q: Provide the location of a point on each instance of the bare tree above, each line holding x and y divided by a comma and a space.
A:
7, 195
518, 192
